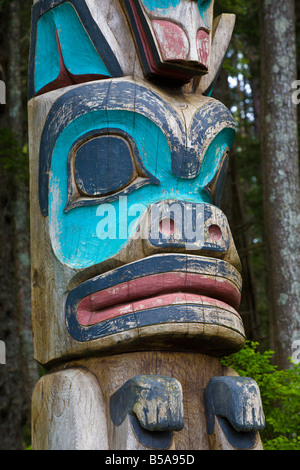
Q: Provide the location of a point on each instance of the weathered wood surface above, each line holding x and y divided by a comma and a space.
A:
136, 280
104, 377
69, 412
193, 371
234, 412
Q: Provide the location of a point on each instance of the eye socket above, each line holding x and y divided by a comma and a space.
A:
102, 166
216, 187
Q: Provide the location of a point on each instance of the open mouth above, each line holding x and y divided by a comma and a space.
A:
160, 289
157, 290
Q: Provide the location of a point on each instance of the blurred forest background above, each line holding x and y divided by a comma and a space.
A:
261, 197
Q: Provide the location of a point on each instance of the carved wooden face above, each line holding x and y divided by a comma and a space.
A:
173, 36
129, 246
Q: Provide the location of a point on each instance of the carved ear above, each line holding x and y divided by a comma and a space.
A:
223, 27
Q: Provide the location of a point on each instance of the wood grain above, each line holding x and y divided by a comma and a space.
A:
193, 371
68, 412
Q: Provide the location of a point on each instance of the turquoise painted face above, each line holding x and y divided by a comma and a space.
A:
91, 215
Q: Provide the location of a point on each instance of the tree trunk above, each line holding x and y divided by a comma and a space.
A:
20, 374
281, 174
11, 401
234, 208
10, 382
20, 216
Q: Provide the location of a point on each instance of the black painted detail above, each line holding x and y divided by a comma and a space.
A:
102, 96
190, 229
239, 440
176, 314
218, 185
172, 73
104, 165
215, 188
152, 439
146, 267
207, 123
41, 7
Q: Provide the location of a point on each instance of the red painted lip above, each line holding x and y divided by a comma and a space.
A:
158, 290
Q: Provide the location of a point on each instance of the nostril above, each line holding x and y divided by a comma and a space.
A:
215, 233
167, 226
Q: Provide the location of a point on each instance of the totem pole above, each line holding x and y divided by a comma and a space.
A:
136, 280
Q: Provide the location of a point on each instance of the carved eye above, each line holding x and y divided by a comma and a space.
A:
104, 166
213, 171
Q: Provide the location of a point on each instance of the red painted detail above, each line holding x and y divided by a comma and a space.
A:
167, 226
203, 47
153, 302
215, 233
172, 40
65, 77
158, 290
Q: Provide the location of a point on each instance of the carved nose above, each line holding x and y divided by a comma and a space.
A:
200, 229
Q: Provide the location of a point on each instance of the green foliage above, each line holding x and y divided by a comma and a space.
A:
280, 393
